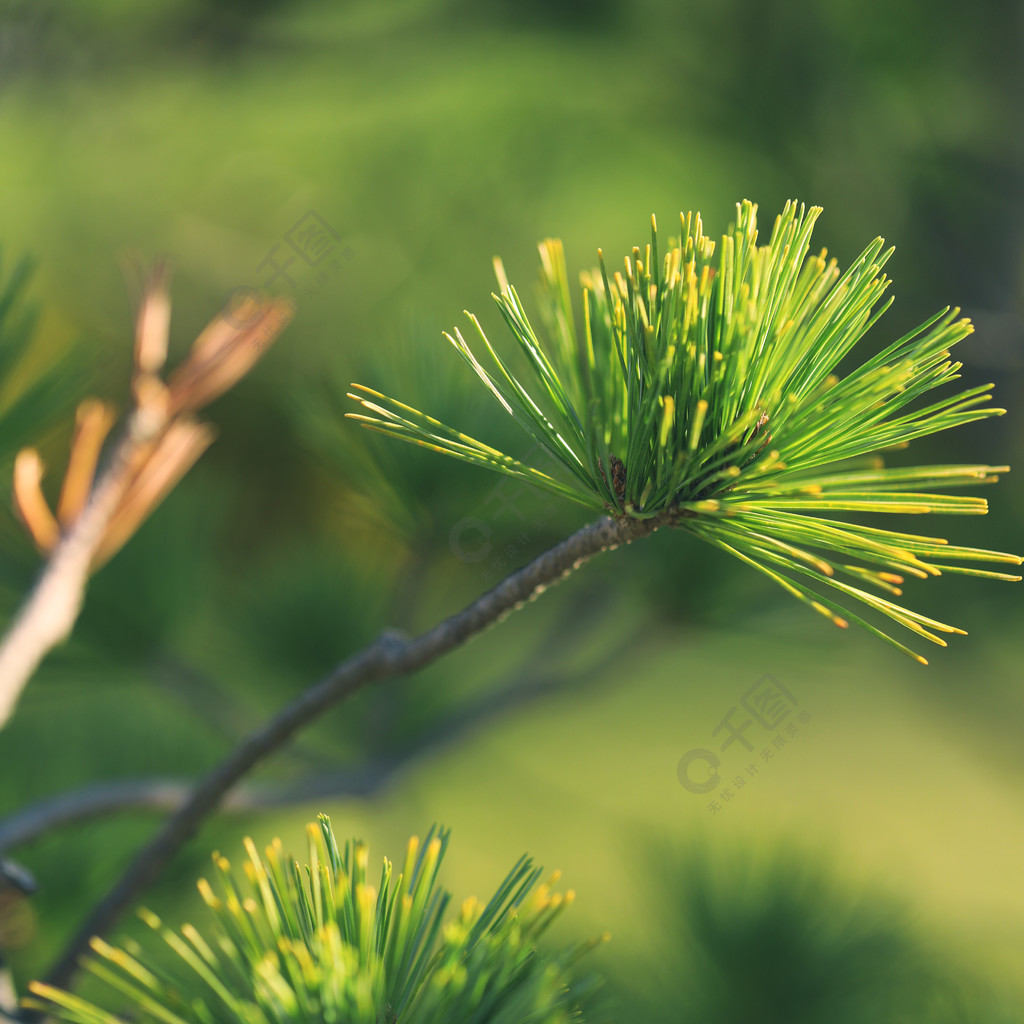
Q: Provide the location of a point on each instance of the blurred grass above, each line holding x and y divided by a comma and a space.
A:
432, 135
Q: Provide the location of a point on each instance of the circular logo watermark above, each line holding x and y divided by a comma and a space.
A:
688, 781
466, 528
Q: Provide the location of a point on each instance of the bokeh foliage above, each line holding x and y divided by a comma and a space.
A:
432, 134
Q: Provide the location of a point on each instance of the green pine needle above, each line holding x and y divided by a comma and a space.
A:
325, 944
701, 387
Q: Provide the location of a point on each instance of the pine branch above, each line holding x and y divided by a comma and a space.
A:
705, 380
167, 795
389, 656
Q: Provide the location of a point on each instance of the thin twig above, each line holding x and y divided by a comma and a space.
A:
169, 794
390, 655
48, 614
161, 441
94, 801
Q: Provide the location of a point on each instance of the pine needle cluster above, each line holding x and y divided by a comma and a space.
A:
323, 944
700, 385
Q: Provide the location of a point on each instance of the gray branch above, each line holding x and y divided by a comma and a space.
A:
390, 655
169, 794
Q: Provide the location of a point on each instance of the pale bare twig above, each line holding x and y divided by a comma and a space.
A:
160, 442
389, 656
51, 608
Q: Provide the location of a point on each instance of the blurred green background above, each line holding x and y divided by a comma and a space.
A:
870, 870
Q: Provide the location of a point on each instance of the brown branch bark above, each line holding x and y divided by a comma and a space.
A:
391, 655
